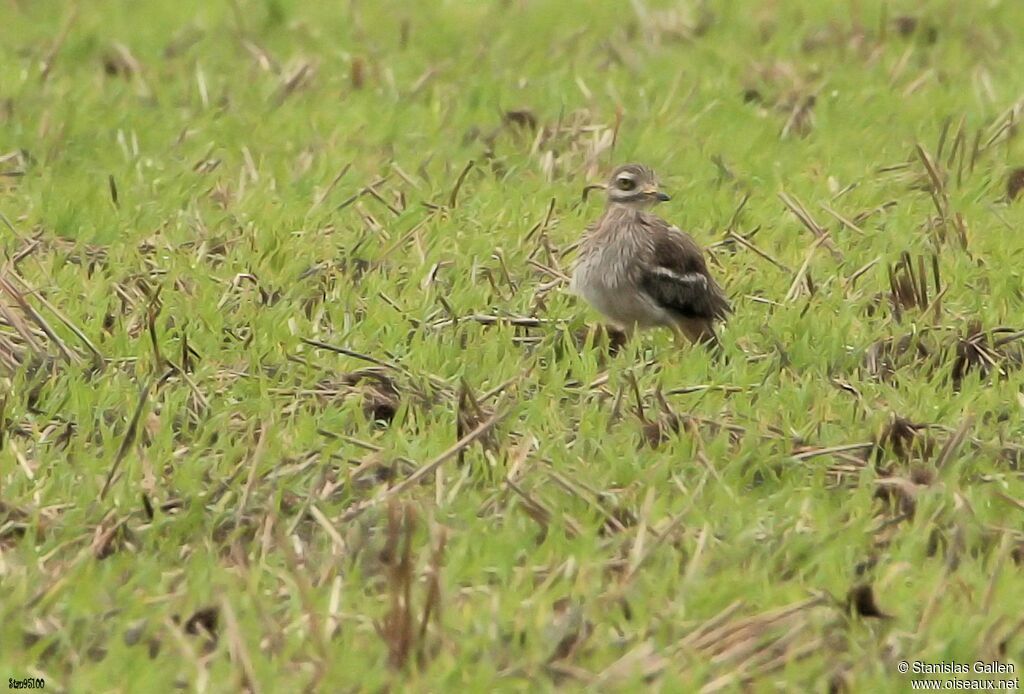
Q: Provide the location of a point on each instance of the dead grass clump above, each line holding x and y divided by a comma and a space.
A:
26, 336
14, 524
381, 398
986, 354
569, 629
112, 536
904, 440
742, 649
884, 358
405, 636
979, 352
861, 601
781, 88
907, 26
523, 118
1015, 184
575, 142
908, 284
203, 624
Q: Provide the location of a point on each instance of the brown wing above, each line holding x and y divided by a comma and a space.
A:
677, 276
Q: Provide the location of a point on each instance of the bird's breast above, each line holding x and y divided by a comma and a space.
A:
605, 277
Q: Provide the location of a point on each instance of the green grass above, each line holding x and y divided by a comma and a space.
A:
223, 128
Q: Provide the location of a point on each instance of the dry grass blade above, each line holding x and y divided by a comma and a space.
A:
953, 444
800, 212
908, 284
643, 660
422, 472
751, 647
19, 298
764, 667
719, 639
11, 355
98, 358
483, 429
254, 462
300, 575
129, 438
397, 629
749, 245
800, 279
16, 351
323, 195
300, 76
239, 651
365, 357
454, 197
832, 450
469, 413
58, 43
432, 605
936, 178
711, 625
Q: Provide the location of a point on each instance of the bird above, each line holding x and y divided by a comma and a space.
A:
640, 271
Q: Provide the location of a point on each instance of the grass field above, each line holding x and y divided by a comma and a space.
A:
293, 396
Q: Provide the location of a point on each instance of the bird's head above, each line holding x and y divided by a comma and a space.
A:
634, 185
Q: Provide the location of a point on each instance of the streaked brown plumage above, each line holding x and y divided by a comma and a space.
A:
639, 271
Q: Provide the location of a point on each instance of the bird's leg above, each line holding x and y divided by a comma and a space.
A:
699, 333
626, 330
617, 334
680, 337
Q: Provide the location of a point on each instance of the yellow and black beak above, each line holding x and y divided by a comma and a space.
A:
657, 194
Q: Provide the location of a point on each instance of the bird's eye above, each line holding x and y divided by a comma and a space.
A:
626, 183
